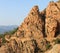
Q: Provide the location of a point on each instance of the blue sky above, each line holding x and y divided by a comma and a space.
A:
13, 12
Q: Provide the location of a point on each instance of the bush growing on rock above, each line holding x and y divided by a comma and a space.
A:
57, 41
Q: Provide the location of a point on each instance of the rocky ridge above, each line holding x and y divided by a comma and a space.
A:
37, 32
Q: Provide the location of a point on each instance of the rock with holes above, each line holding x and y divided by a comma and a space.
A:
50, 27
53, 12
32, 26
24, 45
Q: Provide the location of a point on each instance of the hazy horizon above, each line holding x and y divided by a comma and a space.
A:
13, 12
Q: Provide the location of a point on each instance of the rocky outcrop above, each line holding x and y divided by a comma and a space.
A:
32, 25
25, 45
29, 35
52, 19
37, 32
22, 46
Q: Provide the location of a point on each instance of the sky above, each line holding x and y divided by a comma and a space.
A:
13, 12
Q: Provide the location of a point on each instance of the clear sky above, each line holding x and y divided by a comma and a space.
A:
13, 12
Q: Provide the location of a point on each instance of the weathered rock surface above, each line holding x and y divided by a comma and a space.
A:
30, 36
3, 49
21, 46
50, 27
55, 49
32, 25
53, 14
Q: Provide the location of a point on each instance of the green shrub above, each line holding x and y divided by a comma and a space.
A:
3, 38
48, 46
11, 32
57, 41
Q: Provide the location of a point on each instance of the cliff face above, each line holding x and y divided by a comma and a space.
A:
37, 29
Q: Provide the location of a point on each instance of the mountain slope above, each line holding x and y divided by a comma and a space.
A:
7, 28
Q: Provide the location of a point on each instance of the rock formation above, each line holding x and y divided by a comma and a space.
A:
32, 25
33, 34
53, 14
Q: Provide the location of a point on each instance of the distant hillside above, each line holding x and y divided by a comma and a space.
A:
7, 28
